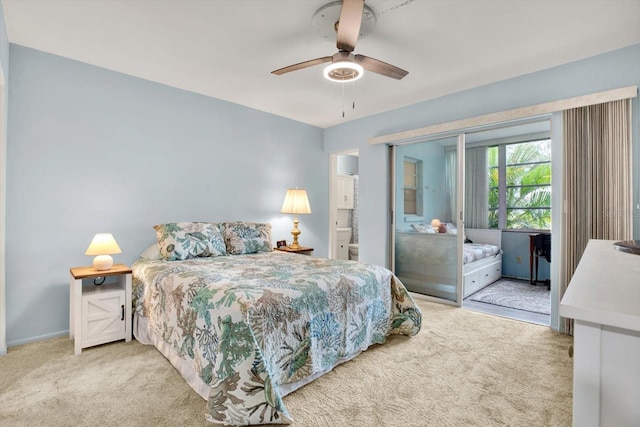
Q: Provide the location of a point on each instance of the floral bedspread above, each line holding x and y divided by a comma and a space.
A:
248, 324
477, 251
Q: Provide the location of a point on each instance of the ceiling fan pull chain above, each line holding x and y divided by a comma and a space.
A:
353, 94
343, 100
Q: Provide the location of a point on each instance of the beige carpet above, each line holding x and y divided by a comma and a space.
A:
463, 369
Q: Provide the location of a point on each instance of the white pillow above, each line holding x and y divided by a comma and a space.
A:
152, 252
419, 228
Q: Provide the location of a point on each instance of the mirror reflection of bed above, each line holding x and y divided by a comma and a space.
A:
423, 261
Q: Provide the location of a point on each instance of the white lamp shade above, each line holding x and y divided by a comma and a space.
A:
296, 202
103, 244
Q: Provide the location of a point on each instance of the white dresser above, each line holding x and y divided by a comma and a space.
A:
604, 299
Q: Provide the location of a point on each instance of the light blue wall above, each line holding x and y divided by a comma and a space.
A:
608, 71
91, 150
347, 165
432, 155
516, 245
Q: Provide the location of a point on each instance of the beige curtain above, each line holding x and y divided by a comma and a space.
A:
597, 180
450, 168
476, 190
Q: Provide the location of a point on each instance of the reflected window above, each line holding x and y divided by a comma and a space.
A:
412, 186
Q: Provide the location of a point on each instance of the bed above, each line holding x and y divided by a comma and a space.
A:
422, 257
247, 326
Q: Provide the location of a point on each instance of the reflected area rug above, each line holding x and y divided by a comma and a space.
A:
518, 294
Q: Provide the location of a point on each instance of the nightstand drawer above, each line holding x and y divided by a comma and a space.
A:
103, 316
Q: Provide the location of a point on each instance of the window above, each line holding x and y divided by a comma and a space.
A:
412, 186
520, 185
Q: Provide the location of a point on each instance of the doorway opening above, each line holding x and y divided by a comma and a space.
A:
344, 215
509, 170
467, 208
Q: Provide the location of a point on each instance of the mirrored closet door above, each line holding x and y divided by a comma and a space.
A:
427, 209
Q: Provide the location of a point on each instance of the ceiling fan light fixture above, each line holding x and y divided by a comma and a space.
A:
343, 71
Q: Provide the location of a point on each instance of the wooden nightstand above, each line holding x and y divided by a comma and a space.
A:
301, 250
99, 313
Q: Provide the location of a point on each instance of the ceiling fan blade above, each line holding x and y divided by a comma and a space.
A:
379, 67
349, 24
302, 65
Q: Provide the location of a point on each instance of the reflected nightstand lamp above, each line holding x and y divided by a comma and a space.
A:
295, 202
103, 246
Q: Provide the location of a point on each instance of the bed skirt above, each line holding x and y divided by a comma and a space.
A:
148, 336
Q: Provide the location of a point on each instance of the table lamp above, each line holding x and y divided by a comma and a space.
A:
103, 246
295, 202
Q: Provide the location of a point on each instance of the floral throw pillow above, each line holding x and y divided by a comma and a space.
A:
184, 240
247, 237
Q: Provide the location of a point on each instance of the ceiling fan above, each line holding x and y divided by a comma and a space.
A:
345, 66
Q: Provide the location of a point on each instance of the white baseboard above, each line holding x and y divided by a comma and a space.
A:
37, 338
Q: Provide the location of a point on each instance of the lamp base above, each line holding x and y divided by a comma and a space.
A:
103, 262
295, 233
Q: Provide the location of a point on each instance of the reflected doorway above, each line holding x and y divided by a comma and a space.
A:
344, 206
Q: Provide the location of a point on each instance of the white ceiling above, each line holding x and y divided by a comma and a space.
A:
227, 48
